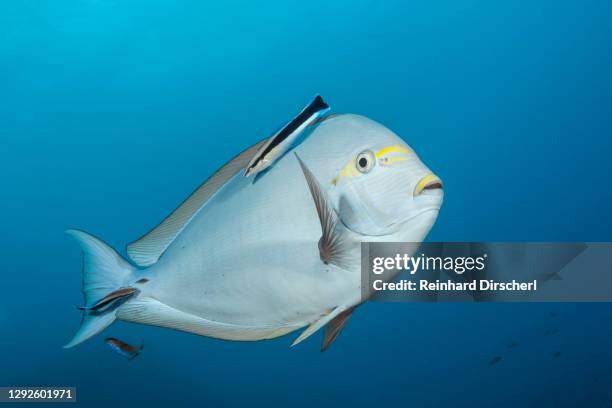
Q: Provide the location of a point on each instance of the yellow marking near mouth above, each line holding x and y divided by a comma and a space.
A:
392, 149
425, 181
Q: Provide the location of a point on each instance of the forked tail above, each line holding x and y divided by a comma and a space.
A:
106, 285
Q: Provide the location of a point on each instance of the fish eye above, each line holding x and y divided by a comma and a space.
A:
365, 161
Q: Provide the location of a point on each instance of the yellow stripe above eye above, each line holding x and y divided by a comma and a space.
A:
391, 149
390, 160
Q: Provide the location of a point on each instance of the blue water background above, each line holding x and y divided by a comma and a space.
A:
111, 112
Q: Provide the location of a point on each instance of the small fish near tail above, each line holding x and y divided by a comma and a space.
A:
124, 349
105, 275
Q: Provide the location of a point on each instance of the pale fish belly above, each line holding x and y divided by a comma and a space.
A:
250, 258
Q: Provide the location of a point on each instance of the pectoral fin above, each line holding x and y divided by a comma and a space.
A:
332, 248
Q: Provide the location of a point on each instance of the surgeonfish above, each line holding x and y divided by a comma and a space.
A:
122, 348
282, 140
250, 261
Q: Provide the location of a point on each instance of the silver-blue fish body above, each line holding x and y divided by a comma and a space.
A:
259, 257
248, 267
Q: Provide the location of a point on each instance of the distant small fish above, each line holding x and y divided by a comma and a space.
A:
553, 314
557, 354
495, 360
512, 344
550, 331
120, 347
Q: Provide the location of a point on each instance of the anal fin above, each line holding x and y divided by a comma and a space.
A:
334, 327
318, 324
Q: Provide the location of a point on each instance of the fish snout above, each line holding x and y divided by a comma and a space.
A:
427, 183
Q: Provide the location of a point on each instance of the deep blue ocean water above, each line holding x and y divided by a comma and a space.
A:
112, 112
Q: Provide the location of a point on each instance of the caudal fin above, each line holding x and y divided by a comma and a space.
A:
106, 278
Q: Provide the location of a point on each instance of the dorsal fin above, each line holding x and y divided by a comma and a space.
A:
146, 250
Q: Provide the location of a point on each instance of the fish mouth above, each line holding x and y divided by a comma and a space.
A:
431, 182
